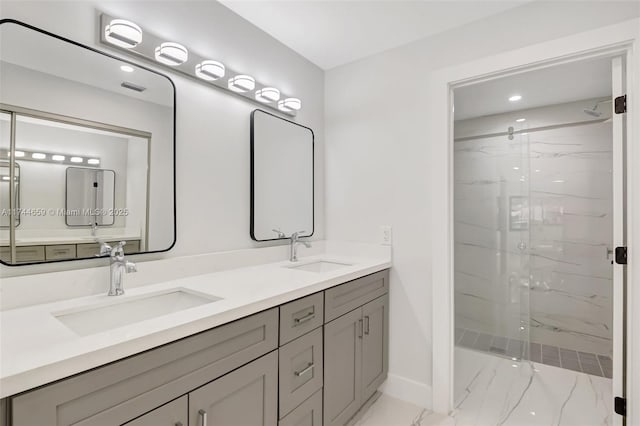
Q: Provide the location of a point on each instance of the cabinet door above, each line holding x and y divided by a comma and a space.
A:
171, 414
247, 396
375, 345
342, 368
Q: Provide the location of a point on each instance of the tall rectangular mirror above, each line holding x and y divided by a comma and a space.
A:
281, 178
91, 140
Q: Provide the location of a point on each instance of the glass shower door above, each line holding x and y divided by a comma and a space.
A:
491, 233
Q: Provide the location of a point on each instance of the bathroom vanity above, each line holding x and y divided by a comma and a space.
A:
313, 360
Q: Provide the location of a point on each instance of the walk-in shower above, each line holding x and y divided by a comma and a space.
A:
533, 237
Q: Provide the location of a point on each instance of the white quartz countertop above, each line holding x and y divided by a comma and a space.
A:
36, 348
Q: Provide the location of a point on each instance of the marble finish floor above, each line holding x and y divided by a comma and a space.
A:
492, 392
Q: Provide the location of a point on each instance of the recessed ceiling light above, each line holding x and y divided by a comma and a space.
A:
241, 83
210, 70
172, 54
126, 68
38, 156
76, 159
123, 33
515, 98
520, 120
516, 168
558, 181
57, 157
268, 95
290, 104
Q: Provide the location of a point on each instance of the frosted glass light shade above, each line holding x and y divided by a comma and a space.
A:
242, 83
172, 54
290, 104
267, 95
210, 70
123, 33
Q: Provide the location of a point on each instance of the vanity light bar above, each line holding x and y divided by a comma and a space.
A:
49, 157
127, 36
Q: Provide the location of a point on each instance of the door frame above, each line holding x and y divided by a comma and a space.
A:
622, 39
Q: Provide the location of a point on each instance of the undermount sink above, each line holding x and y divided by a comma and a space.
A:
117, 313
320, 266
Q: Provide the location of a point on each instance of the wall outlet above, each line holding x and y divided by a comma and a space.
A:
386, 235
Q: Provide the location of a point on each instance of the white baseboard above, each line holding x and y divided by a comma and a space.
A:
408, 390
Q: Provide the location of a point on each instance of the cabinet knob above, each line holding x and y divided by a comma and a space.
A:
203, 417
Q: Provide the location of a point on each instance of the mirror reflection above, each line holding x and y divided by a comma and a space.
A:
281, 178
91, 140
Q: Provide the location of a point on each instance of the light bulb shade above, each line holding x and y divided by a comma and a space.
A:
210, 70
172, 54
93, 161
19, 154
38, 156
242, 83
123, 33
57, 157
267, 95
76, 159
290, 104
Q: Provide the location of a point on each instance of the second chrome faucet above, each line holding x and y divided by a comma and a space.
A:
295, 240
118, 266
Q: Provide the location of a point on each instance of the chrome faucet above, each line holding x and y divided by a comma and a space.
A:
295, 240
119, 265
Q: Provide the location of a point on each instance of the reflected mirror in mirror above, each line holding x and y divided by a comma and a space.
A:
6, 192
90, 197
281, 178
92, 141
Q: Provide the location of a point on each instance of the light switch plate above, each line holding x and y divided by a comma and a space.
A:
386, 235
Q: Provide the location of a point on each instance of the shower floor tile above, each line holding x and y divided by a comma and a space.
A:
589, 363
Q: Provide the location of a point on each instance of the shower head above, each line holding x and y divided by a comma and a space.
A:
594, 111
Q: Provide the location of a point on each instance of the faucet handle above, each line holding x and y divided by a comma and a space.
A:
131, 267
104, 249
279, 232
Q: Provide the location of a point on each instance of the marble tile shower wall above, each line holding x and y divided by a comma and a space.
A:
533, 222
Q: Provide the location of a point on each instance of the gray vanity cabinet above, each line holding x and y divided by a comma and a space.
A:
375, 345
356, 345
173, 413
247, 396
342, 368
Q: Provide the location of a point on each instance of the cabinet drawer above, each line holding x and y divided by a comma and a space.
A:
87, 250
301, 370
309, 413
346, 297
62, 251
117, 392
23, 254
300, 317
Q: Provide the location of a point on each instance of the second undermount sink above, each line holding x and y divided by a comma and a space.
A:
117, 313
320, 266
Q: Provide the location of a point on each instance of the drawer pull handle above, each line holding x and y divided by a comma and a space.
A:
203, 417
304, 371
366, 324
360, 328
308, 317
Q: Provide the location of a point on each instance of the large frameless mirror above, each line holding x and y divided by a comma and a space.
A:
90, 139
281, 178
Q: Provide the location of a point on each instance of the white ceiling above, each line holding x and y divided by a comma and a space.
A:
330, 32
549, 86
